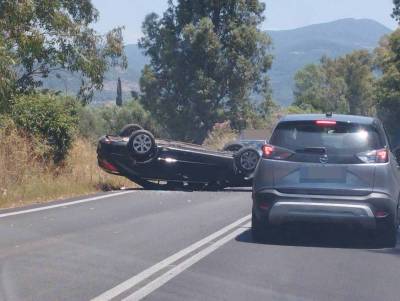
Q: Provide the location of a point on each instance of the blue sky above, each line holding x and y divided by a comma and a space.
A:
280, 14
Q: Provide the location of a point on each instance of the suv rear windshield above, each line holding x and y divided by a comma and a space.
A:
341, 141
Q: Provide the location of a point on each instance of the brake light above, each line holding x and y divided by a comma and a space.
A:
108, 166
382, 156
275, 153
325, 122
267, 150
374, 156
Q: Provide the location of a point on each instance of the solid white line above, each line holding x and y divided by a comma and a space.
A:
64, 204
167, 276
130, 283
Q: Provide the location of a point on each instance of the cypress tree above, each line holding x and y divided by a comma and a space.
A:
119, 93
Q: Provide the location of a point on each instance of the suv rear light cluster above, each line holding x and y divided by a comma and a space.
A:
275, 153
374, 156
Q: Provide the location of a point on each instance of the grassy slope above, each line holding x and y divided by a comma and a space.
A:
25, 179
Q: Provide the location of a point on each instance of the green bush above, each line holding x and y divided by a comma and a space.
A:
49, 117
97, 121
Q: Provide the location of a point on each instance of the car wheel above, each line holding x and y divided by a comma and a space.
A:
246, 160
386, 234
142, 144
233, 147
128, 129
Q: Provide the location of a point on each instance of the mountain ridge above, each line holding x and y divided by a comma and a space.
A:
295, 48
292, 50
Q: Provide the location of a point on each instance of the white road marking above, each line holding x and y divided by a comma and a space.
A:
63, 204
167, 276
130, 283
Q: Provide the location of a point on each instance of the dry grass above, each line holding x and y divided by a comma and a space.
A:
27, 178
220, 135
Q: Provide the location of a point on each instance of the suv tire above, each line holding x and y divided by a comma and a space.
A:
386, 234
261, 231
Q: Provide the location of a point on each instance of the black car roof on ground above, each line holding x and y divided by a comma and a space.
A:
337, 117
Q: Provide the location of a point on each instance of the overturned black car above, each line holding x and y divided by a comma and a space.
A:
155, 163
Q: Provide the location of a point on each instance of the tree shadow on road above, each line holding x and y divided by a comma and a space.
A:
321, 236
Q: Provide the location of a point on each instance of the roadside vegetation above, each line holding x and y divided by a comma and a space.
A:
206, 80
28, 176
359, 83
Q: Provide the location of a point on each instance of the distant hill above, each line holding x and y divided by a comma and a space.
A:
70, 83
292, 49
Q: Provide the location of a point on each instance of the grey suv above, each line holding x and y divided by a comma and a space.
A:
328, 169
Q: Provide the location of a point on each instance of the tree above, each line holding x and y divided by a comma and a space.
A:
317, 87
119, 93
206, 60
50, 118
7, 76
309, 88
134, 94
94, 121
396, 10
357, 70
46, 36
387, 87
342, 85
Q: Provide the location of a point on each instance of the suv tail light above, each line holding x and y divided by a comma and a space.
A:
374, 156
275, 153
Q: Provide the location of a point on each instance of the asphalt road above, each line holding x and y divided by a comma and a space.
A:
182, 246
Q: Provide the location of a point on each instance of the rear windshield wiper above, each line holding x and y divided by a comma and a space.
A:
312, 150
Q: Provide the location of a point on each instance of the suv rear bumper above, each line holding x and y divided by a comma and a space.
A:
282, 212
279, 208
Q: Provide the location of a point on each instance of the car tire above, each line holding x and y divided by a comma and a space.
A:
386, 234
257, 229
246, 160
142, 144
262, 231
128, 129
233, 147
